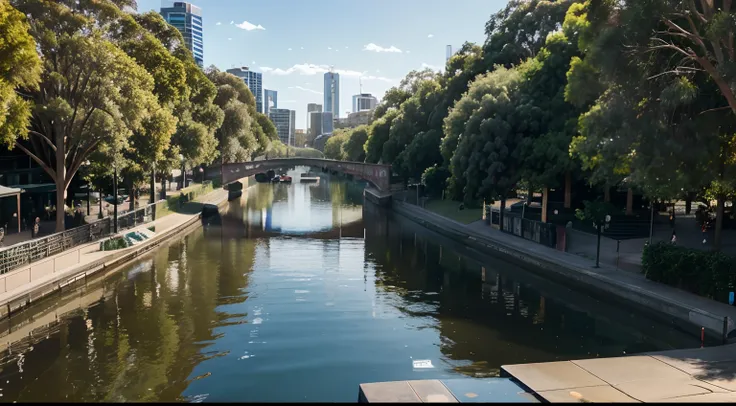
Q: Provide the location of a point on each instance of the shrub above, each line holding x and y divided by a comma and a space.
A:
434, 180
708, 274
113, 244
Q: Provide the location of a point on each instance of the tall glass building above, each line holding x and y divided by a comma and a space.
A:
254, 81
187, 18
272, 100
285, 122
332, 94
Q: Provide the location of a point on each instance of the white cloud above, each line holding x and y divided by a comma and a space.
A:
229, 39
329, 47
305, 89
249, 27
289, 49
232, 22
346, 47
377, 48
254, 62
426, 65
310, 69
430, 35
408, 52
218, 23
302, 47
378, 71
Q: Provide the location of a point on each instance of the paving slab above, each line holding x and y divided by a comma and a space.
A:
618, 370
709, 398
500, 390
388, 392
592, 394
656, 390
432, 391
550, 376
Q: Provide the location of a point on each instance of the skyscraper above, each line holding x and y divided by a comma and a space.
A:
285, 122
364, 101
332, 94
272, 100
254, 81
187, 18
312, 108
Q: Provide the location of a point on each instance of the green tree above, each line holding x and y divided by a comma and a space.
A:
378, 133
236, 135
334, 146
486, 162
20, 67
518, 31
91, 93
353, 148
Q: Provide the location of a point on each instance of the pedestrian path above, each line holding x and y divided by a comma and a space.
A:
38, 279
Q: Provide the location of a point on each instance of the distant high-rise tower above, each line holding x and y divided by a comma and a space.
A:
254, 81
332, 93
448, 53
272, 100
312, 108
284, 121
364, 101
187, 18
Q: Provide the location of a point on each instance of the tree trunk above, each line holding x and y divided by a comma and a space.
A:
545, 199
131, 195
153, 184
530, 194
568, 189
630, 202
60, 181
721, 201
607, 194
500, 214
689, 203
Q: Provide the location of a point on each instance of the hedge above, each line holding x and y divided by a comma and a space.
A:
706, 273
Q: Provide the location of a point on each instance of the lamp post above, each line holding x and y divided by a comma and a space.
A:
599, 229
153, 183
115, 198
181, 184
86, 165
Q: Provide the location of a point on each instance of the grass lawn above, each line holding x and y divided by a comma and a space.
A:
449, 209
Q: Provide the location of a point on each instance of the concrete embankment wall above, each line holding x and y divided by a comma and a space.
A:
64, 270
687, 317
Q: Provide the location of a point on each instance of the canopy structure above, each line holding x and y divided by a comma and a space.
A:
8, 192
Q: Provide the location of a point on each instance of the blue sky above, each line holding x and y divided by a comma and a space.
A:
293, 41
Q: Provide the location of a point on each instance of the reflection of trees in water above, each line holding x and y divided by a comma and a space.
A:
487, 319
143, 342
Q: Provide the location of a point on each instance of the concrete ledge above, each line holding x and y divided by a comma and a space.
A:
684, 314
68, 277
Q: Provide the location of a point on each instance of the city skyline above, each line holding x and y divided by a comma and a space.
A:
269, 37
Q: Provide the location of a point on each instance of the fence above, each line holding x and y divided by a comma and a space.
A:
541, 233
28, 252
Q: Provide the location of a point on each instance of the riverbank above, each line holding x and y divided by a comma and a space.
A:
26, 286
688, 311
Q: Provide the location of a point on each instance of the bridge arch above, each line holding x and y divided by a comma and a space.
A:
378, 175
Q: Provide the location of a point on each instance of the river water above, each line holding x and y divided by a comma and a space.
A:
301, 295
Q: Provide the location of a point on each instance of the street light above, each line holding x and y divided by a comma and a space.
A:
599, 228
86, 165
115, 197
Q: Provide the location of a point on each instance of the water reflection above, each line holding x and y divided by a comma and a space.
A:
301, 295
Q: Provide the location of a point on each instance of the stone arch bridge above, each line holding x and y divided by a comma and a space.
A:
378, 175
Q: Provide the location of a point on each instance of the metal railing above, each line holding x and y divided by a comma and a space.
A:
18, 255
541, 233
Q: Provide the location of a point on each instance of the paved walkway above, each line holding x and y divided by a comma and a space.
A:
630, 286
682, 376
90, 254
